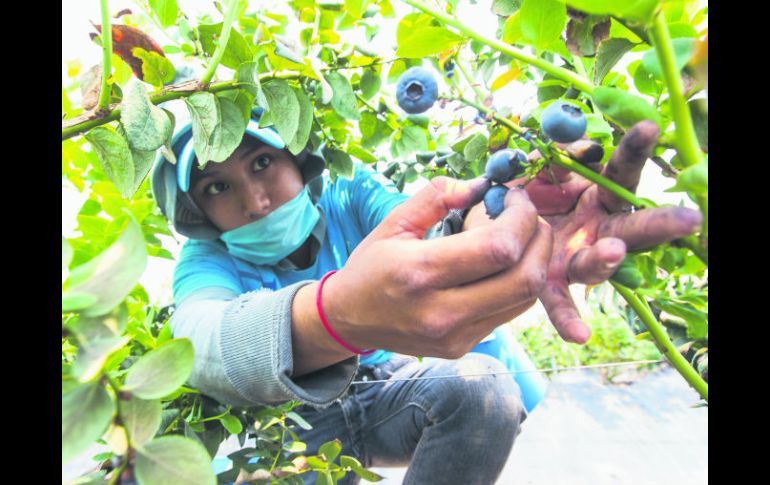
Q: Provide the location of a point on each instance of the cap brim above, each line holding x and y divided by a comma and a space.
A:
187, 155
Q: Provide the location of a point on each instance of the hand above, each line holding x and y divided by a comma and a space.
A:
591, 230
439, 297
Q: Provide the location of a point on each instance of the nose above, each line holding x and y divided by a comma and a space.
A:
255, 202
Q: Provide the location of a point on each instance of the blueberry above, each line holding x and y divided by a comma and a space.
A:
493, 200
563, 122
504, 165
416, 90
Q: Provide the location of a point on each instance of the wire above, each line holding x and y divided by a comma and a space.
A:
591, 366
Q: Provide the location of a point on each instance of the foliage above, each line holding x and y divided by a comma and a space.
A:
123, 373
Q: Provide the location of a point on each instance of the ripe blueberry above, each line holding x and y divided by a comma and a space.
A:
493, 200
504, 165
563, 122
416, 90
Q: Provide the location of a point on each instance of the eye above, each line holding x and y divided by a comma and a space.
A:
215, 188
261, 162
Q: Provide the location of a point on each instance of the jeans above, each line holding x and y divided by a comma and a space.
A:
447, 431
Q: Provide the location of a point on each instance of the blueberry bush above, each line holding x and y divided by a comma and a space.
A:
420, 100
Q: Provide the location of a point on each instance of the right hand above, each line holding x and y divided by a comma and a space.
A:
439, 297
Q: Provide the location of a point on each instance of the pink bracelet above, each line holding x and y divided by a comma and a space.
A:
326, 324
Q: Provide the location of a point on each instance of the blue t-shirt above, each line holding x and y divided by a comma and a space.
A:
352, 209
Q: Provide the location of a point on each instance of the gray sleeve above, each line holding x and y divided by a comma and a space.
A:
243, 350
451, 224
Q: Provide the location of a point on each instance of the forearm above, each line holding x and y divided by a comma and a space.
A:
313, 347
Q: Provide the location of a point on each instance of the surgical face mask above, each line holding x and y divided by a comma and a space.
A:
277, 235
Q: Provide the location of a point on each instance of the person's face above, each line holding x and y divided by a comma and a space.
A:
254, 181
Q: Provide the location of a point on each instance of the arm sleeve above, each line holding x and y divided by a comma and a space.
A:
243, 349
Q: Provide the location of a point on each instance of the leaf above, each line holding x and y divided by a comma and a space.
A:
396, 69
639, 10
344, 99
506, 77
147, 126
156, 69
284, 108
542, 22
165, 10
299, 420
427, 41
624, 108
86, 411
141, 418
114, 156
305, 123
584, 36
248, 72
361, 154
356, 8
683, 50
161, 370
218, 127
608, 54
340, 162
475, 148
693, 179
358, 469
66, 256
92, 356
231, 424
173, 459
700, 120
370, 83
237, 50
111, 275
125, 39
330, 450
505, 8
413, 139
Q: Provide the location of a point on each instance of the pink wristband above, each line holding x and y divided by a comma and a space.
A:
326, 324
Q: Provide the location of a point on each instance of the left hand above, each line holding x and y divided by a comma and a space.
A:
591, 229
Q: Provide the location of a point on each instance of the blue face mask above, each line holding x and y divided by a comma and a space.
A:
277, 235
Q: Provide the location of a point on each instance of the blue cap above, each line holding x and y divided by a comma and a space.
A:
186, 158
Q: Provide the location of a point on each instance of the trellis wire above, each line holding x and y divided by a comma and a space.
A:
557, 369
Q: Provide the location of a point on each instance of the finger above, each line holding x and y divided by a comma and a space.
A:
563, 313
468, 256
502, 291
625, 165
553, 199
650, 227
419, 213
596, 263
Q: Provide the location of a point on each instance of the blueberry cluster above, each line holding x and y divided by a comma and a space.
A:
502, 167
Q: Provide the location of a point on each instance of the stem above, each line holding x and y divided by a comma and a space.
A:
579, 82
664, 343
479, 94
104, 94
232, 11
686, 141
176, 419
280, 449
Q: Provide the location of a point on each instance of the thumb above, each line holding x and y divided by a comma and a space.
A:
413, 218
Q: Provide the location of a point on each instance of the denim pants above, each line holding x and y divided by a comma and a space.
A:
447, 431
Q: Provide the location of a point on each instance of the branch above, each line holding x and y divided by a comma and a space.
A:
104, 94
232, 11
664, 343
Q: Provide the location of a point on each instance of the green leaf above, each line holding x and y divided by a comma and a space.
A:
114, 156
237, 50
330, 450
161, 370
475, 148
370, 83
456, 162
165, 10
66, 255
609, 53
86, 411
624, 108
284, 107
111, 275
231, 424
699, 112
396, 69
683, 50
305, 123
173, 459
639, 10
324, 478
505, 8
693, 179
218, 127
344, 99
355, 465
644, 81
147, 126
542, 22
512, 33
356, 8
340, 162
596, 127
427, 41
141, 418
413, 139
156, 69
299, 420
361, 154
248, 72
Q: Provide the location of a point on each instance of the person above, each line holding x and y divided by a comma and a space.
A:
291, 286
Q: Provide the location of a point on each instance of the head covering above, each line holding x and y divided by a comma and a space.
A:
170, 182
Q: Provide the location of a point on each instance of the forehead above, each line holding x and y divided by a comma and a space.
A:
249, 148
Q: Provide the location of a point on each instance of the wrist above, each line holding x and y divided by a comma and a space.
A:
336, 310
